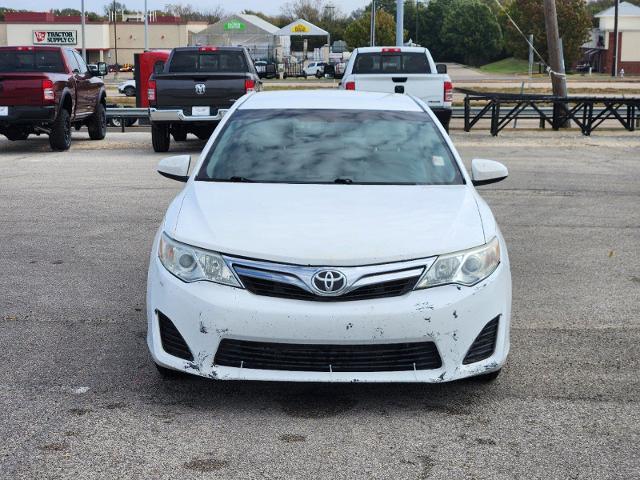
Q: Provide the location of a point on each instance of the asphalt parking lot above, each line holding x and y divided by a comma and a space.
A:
81, 399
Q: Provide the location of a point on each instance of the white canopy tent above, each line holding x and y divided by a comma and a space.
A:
302, 28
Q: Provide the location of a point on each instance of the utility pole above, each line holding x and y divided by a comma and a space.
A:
530, 56
558, 79
372, 35
614, 64
399, 23
84, 43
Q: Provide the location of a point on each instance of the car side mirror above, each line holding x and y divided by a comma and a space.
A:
484, 172
102, 69
175, 168
441, 68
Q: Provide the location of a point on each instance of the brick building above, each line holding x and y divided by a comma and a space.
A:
628, 38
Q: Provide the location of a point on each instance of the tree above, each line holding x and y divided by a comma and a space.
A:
471, 32
357, 33
574, 23
430, 28
118, 6
188, 12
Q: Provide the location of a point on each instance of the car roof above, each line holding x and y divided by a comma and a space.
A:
33, 47
331, 100
379, 49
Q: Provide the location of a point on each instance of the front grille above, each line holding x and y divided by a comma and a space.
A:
172, 341
484, 344
271, 288
328, 358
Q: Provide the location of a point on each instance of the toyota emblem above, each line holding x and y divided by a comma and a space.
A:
329, 282
200, 88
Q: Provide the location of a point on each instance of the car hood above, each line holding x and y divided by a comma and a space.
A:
332, 225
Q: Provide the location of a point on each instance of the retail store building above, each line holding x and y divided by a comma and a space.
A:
105, 41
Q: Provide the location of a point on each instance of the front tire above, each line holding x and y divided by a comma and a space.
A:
60, 136
487, 377
97, 124
168, 373
130, 92
160, 137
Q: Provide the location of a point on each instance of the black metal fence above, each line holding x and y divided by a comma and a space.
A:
588, 113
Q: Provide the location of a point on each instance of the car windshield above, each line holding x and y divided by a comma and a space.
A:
31, 61
391, 62
187, 61
331, 146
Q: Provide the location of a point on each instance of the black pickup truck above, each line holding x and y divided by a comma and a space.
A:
196, 87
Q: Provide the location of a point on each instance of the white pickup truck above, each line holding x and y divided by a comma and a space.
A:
409, 70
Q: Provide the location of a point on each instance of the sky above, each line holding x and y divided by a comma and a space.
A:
267, 6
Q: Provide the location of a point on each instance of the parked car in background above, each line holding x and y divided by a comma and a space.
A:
50, 90
128, 88
409, 70
375, 261
266, 69
195, 88
315, 69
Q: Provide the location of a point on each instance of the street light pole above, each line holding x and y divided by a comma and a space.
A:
115, 32
399, 23
372, 36
82, 20
146, 27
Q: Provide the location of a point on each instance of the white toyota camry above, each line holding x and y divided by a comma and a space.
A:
330, 236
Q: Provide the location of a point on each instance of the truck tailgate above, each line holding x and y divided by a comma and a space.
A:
21, 89
217, 90
429, 88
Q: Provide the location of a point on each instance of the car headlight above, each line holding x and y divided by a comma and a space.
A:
467, 267
192, 264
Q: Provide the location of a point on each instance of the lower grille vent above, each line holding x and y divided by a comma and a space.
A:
485, 343
324, 358
172, 341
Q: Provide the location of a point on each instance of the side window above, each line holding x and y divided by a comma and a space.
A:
71, 60
81, 64
158, 67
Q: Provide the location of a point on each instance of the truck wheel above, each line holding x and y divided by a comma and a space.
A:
60, 136
160, 137
97, 124
179, 133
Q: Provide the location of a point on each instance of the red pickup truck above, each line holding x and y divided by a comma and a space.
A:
50, 90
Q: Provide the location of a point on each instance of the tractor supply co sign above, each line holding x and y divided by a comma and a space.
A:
55, 37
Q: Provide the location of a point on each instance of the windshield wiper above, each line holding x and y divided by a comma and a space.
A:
240, 179
345, 181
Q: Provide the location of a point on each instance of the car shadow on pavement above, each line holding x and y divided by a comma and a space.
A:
316, 400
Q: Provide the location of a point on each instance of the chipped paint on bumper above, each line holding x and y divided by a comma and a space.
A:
451, 316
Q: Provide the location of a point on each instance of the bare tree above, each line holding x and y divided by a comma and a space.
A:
187, 12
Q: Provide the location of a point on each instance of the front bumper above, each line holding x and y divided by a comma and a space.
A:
450, 316
178, 115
